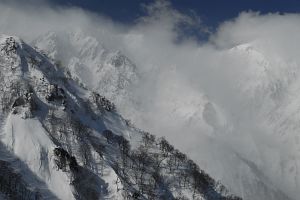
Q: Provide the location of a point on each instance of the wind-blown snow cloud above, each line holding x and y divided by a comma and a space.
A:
210, 99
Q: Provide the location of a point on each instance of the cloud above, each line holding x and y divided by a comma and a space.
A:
213, 100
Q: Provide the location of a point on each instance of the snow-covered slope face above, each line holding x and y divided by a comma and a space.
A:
249, 141
59, 140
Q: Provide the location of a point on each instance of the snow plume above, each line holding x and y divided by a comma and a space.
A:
229, 103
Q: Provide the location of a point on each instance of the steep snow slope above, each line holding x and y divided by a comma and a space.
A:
249, 142
62, 141
28, 140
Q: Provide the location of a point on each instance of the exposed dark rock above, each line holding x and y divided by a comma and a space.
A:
103, 103
20, 101
55, 93
10, 46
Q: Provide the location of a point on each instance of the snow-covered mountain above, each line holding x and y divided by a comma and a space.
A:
62, 140
250, 143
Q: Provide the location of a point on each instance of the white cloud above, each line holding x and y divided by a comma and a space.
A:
244, 85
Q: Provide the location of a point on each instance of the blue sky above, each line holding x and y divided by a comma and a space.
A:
212, 12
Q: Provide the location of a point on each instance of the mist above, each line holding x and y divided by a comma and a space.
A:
211, 99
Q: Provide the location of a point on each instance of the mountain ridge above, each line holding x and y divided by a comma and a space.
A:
224, 132
68, 136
